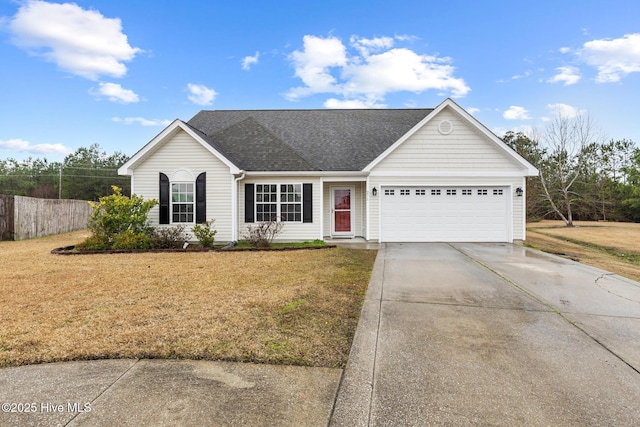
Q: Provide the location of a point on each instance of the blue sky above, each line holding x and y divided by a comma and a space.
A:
115, 72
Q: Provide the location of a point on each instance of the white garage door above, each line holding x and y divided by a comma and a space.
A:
444, 214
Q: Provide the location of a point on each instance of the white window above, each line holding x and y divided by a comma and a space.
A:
405, 192
421, 192
388, 192
279, 202
497, 192
435, 192
451, 192
482, 192
467, 192
291, 202
182, 202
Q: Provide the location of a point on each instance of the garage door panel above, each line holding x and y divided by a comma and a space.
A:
436, 214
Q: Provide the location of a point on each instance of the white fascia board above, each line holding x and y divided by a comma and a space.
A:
444, 174
151, 146
327, 175
530, 170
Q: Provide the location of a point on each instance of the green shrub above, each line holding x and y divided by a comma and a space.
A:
93, 243
116, 214
130, 239
204, 233
168, 237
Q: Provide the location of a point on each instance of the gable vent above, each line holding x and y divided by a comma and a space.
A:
445, 127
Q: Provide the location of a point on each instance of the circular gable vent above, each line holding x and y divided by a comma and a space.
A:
445, 127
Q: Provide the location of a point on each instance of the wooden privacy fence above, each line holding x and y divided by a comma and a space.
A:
26, 217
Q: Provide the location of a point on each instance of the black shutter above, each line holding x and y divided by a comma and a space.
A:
201, 198
307, 203
164, 199
249, 196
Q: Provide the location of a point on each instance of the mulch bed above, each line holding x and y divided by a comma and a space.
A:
71, 250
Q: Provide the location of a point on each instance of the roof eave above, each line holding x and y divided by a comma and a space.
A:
129, 167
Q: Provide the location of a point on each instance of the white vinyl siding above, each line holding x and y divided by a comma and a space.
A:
465, 150
181, 152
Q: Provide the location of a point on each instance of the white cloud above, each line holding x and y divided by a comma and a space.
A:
564, 110
366, 46
141, 121
116, 93
564, 50
22, 145
566, 75
353, 103
200, 94
313, 65
248, 61
82, 42
613, 58
372, 70
516, 113
472, 110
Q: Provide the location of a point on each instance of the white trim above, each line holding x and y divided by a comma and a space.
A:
168, 132
235, 211
279, 201
192, 203
182, 175
529, 169
352, 189
321, 208
367, 195
446, 174
338, 176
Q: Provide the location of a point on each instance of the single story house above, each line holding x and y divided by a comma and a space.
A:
387, 175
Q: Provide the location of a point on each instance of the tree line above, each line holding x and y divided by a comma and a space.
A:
582, 176
87, 174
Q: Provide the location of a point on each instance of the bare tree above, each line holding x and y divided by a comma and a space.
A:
567, 141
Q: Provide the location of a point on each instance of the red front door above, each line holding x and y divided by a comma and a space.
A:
342, 211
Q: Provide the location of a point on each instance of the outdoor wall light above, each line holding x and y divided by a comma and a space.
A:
519, 191
374, 191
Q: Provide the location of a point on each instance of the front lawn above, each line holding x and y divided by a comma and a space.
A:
292, 307
612, 246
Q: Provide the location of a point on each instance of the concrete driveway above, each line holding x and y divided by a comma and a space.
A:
492, 334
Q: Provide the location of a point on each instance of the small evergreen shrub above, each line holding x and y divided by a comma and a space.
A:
204, 233
93, 243
130, 239
117, 214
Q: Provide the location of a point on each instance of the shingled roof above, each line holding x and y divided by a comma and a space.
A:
304, 140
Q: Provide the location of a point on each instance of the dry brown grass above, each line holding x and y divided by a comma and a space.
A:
613, 246
298, 307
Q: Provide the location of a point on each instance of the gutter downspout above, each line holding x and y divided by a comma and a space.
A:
234, 204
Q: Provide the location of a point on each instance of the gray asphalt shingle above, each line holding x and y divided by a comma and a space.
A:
304, 140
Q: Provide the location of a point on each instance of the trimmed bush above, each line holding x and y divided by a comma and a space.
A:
119, 218
204, 233
131, 240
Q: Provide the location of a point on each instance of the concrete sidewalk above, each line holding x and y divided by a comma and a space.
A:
492, 334
166, 393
